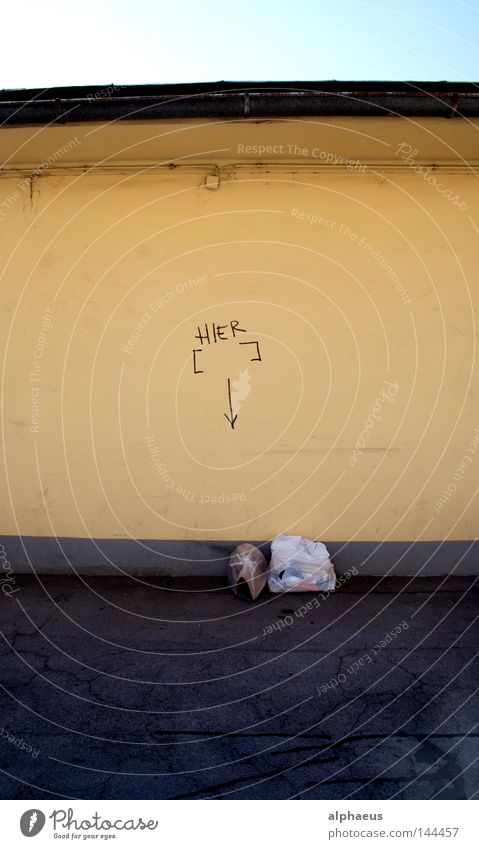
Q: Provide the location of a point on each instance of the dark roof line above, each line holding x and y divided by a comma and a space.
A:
238, 100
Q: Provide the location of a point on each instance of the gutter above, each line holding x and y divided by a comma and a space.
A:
238, 101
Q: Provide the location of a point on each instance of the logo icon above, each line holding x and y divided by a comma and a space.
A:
32, 822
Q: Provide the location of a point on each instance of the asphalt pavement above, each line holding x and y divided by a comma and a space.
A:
121, 688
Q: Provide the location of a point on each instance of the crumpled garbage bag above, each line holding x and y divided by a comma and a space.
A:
300, 565
247, 571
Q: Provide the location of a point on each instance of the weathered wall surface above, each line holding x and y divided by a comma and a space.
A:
288, 349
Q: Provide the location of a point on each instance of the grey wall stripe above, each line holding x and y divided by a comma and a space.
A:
59, 556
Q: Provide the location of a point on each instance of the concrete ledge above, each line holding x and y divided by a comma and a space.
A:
67, 555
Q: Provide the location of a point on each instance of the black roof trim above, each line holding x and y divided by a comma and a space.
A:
237, 100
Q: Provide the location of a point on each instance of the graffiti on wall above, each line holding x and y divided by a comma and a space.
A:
216, 334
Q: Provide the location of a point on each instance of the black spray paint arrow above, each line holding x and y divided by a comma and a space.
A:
231, 418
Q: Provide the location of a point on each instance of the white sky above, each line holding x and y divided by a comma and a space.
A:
48, 42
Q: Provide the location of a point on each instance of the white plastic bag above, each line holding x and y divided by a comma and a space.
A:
300, 565
247, 570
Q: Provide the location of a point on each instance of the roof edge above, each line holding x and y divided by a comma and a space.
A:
238, 100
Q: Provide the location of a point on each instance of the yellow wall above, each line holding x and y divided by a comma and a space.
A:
363, 349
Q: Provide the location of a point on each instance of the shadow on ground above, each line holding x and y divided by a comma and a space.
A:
173, 689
